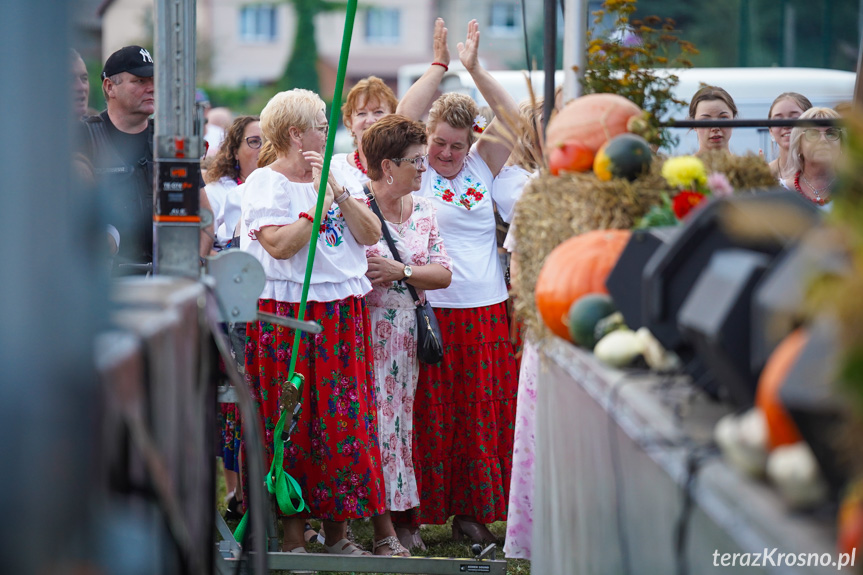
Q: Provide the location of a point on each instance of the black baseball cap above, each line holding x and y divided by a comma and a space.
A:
133, 59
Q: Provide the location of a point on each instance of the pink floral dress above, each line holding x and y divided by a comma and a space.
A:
394, 348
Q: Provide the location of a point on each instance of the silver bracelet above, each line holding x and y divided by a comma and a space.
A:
343, 197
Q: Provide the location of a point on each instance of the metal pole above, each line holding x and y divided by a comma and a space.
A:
52, 298
575, 23
177, 142
549, 57
743, 41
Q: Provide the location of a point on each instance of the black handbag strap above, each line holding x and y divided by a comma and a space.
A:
377, 210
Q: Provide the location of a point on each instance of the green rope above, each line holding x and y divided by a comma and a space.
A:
331, 138
288, 494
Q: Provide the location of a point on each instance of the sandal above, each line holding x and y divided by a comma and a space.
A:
409, 536
310, 535
468, 527
345, 547
395, 547
234, 509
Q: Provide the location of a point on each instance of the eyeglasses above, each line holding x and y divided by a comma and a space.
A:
255, 142
813, 134
324, 129
419, 162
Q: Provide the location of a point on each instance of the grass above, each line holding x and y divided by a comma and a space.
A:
438, 539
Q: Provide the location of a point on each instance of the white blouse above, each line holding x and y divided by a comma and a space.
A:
218, 193
270, 199
465, 214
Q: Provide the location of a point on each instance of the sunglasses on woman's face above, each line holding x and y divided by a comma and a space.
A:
814, 134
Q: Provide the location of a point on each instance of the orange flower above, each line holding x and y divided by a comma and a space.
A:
684, 202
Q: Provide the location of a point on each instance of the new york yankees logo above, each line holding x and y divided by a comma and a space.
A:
146, 56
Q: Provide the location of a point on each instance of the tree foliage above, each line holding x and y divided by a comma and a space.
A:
628, 58
301, 70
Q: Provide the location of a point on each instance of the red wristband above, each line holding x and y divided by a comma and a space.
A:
445, 67
307, 216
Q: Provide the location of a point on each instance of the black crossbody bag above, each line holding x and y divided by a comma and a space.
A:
429, 340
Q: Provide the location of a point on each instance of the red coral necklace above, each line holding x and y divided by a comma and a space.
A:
817, 191
358, 163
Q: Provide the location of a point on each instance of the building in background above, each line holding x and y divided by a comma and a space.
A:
244, 43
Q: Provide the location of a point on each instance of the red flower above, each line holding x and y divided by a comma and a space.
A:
684, 202
448, 196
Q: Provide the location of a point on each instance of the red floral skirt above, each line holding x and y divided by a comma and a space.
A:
334, 453
464, 419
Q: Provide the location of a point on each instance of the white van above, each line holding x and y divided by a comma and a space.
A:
753, 90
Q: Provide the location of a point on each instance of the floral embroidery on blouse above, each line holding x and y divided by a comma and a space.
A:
333, 227
448, 192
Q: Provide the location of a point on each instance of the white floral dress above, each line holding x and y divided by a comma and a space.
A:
394, 345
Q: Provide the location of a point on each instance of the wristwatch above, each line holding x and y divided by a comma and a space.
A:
408, 272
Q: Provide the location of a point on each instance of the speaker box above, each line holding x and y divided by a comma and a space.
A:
777, 306
715, 318
766, 223
810, 396
624, 281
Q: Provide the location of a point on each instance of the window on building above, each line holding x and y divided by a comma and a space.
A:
505, 18
382, 26
258, 23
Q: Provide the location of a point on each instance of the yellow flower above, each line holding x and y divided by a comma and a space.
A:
684, 171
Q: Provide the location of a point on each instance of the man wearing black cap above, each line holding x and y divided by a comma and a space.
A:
121, 148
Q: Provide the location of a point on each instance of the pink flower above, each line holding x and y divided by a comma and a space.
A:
387, 408
342, 406
379, 353
397, 499
351, 503
352, 394
342, 488
383, 329
390, 384
408, 405
361, 492
355, 478
347, 449
281, 354
266, 338
719, 185
424, 226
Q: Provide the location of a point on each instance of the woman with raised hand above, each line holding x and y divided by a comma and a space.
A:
334, 452
465, 409
712, 103
814, 157
371, 99
788, 105
396, 149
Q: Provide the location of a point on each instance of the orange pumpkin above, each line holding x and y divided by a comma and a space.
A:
570, 157
578, 266
591, 121
781, 429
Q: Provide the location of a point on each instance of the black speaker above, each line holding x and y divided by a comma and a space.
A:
810, 395
777, 303
624, 281
766, 223
715, 319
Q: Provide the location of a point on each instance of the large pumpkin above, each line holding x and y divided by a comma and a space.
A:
590, 121
578, 266
781, 429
